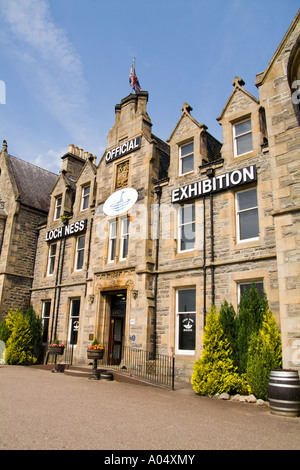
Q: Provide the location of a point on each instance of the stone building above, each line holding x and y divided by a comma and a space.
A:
137, 248
24, 204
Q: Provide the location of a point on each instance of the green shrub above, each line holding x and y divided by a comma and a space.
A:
35, 324
249, 321
214, 372
22, 337
227, 317
264, 354
4, 331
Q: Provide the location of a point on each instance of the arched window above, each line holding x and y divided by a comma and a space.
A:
293, 76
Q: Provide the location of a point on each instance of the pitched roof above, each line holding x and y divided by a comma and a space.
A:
238, 84
262, 76
34, 183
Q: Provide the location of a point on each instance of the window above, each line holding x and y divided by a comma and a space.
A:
242, 134
85, 197
74, 321
124, 238
51, 259
79, 256
185, 321
58, 203
45, 320
112, 246
247, 286
186, 158
186, 228
247, 215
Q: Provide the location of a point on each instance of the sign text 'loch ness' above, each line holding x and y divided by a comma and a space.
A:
72, 229
123, 149
215, 184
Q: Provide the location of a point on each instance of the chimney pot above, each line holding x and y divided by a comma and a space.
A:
80, 153
71, 148
86, 154
76, 151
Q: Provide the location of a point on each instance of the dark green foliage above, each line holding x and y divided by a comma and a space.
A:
227, 318
239, 351
35, 324
249, 321
4, 331
264, 354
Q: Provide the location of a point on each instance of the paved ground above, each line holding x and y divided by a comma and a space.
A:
42, 410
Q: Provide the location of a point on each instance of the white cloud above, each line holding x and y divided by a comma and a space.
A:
52, 71
54, 68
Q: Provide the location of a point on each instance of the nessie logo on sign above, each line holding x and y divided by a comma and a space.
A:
120, 201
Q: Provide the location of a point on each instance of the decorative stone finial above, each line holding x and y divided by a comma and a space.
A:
4, 147
186, 108
238, 81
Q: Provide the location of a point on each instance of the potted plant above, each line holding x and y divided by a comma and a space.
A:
95, 350
56, 347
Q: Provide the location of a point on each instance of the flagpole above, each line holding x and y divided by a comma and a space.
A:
133, 68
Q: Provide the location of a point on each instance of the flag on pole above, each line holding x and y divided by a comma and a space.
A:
133, 80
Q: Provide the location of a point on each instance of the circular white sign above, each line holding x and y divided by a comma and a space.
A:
120, 201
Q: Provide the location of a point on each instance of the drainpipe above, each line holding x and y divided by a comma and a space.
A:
88, 254
212, 250
204, 265
211, 173
52, 337
158, 191
59, 282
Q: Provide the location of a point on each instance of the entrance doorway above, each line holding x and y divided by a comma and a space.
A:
117, 327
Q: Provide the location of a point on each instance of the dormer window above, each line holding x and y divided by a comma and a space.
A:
186, 158
58, 204
242, 134
85, 197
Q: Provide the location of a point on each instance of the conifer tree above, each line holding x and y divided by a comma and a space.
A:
214, 372
228, 320
19, 344
249, 321
35, 324
264, 354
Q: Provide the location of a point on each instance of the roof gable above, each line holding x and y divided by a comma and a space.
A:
186, 114
260, 78
239, 94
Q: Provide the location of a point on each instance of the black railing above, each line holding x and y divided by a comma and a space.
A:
140, 363
130, 361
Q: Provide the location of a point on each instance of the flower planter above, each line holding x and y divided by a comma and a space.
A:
59, 350
95, 353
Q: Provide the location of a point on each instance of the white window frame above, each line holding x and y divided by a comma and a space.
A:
112, 243
85, 198
78, 252
180, 225
124, 236
71, 318
237, 217
51, 258
236, 137
181, 158
45, 317
187, 352
58, 206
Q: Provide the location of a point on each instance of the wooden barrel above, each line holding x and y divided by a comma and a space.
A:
284, 392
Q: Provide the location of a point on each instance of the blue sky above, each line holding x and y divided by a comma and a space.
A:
65, 65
